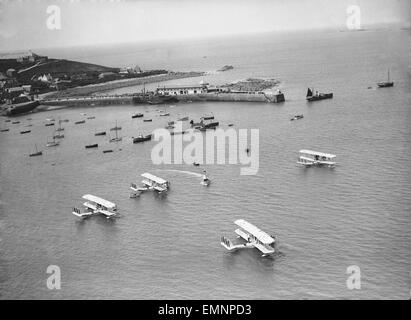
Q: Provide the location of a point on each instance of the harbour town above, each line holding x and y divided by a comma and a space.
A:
156, 150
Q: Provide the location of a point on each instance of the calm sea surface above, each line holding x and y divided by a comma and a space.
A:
169, 247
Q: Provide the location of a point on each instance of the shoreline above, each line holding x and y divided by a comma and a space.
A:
116, 84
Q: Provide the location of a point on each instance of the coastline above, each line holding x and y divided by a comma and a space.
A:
115, 84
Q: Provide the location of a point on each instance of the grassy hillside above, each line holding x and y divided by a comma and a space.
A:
56, 67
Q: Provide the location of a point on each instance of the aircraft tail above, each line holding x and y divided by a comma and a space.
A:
226, 243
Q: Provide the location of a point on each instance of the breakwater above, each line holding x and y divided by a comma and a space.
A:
235, 96
111, 85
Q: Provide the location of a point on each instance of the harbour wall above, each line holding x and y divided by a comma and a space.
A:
234, 96
128, 99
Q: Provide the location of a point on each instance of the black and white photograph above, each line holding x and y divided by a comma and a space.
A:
177, 150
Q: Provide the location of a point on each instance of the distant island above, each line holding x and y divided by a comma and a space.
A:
226, 68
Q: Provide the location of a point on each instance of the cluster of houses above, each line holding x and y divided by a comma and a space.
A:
14, 65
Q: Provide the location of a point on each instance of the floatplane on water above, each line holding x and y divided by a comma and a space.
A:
255, 239
309, 158
95, 205
150, 182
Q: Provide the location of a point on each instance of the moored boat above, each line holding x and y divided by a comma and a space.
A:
311, 96
142, 138
53, 143
137, 115
37, 153
297, 117
386, 84
95, 145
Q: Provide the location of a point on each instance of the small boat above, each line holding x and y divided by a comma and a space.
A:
206, 181
117, 138
101, 133
90, 118
49, 124
53, 143
142, 138
116, 128
148, 120
26, 131
183, 119
58, 136
164, 114
51, 119
208, 117
4, 130
230, 124
317, 96
80, 122
37, 153
60, 128
137, 115
107, 151
92, 146
178, 132
196, 164
7, 120
297, 117
211, 125
15, 122
65, 120
386, 84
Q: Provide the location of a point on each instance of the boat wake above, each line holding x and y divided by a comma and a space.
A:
182, 171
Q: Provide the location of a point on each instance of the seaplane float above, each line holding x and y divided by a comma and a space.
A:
94, 206
149, 183
310, 158
254, 237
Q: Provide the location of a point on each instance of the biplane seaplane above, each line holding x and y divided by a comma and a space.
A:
150, 182
95, 205
255, 239
310, 158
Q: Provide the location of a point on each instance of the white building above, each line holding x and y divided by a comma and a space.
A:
182, 89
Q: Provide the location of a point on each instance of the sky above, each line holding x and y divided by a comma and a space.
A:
24, 23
